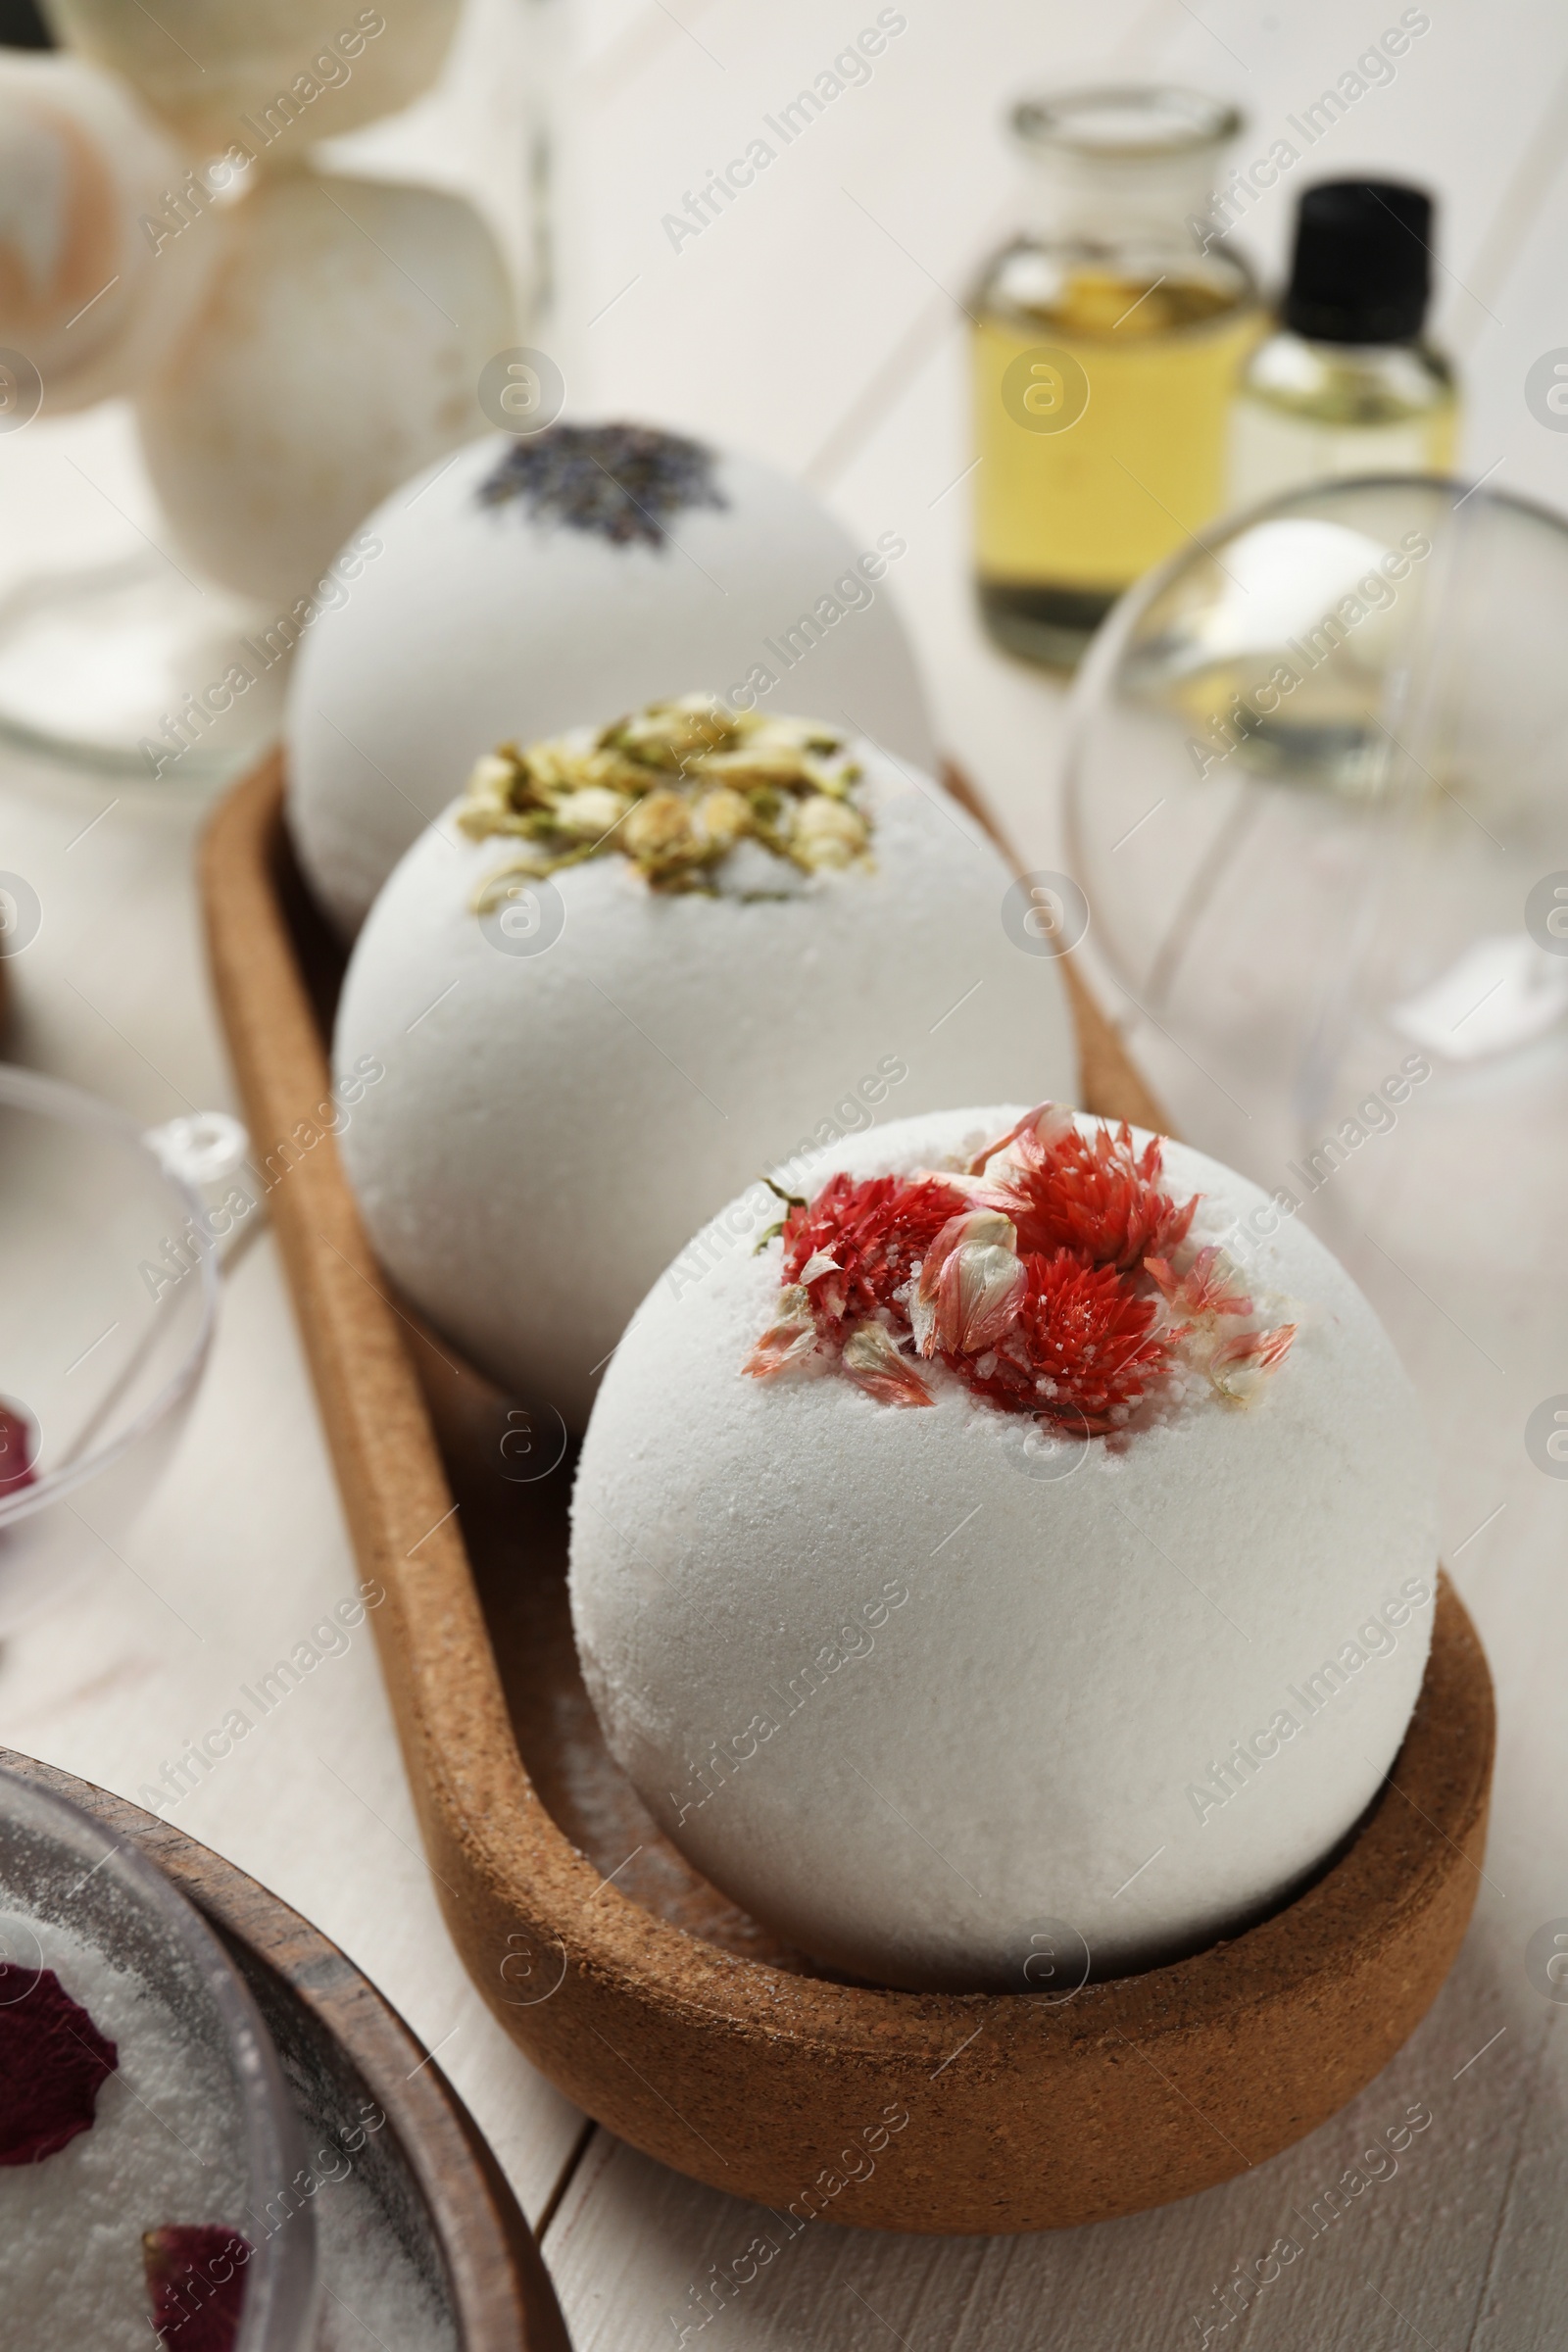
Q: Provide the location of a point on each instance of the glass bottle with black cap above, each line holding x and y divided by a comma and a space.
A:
1348, 384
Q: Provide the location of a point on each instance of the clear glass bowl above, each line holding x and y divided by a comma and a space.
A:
59, 1866
102, 1335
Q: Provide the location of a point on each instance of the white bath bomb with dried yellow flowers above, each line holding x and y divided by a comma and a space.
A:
584, 567
754, 937
1023, 1569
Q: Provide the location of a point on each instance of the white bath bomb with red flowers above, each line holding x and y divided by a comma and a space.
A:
1012, 1573
582, 569
581, 1068
86, 295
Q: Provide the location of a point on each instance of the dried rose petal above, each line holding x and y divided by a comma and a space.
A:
19, 1449
53, 2060
196, 2285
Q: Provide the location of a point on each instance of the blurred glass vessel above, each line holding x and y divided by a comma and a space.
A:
111, 1287
1316, 798
359, 204
1106, 345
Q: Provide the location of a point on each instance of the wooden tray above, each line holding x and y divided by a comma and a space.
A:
652, 2002
341, 2044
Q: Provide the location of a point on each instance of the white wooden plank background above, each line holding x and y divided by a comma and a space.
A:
820, 322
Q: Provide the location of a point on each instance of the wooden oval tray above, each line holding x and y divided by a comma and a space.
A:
652, 2001
344, 2048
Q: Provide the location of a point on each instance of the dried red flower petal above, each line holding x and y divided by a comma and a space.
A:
1047, 1121
1084, 1347
1098, 1199
874, 1234
1036, 1277
196, 2284
19, 1449
1205, 1288
788, 1340
981, 1288
872, 1361
970, 1285
1238, 1367
53, 2060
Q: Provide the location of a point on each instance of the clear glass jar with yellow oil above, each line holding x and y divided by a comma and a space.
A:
1107, 340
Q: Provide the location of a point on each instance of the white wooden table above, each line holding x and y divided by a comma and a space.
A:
819, 322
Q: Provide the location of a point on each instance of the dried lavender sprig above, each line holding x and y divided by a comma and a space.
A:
621, 482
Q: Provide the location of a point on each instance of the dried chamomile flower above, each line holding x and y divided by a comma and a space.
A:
673, 789
659, 834
828, 833
488, 805
591, 812
671, 734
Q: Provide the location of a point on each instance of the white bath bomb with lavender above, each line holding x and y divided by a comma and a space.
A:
86, 295
304, 69
338, 353
1054, 1595
778, 938
581, 569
